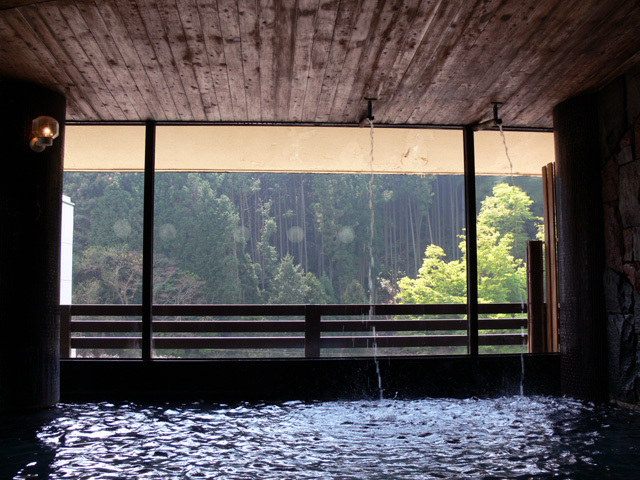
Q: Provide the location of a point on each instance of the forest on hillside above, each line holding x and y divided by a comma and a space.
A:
228, 238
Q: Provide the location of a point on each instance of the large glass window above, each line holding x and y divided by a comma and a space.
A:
103, 179
309, 217
346, 241
509, 214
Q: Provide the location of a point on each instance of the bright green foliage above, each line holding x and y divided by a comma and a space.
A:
438, 281
508, 210
501, 277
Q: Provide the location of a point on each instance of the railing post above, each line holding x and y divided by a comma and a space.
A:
535, 297
312, 331
65, 331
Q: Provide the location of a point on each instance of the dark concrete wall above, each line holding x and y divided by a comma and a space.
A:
310, 379
30, 211
619, 144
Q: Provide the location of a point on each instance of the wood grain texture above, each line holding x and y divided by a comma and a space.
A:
117, 80
322, 37
306, 13
267, 47
250, 38
214, 50
153, 29
126, 28
345, 20
379, 60
108, 33
436, 62
194, 58
230, 31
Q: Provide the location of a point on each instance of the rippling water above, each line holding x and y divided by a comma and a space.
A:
510, 437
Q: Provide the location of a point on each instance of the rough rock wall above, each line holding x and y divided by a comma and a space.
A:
619, 117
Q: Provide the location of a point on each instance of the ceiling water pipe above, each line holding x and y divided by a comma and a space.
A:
368, 120
495, 122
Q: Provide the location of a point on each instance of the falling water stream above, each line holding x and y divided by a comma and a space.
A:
372, 290
371, 280
515, 245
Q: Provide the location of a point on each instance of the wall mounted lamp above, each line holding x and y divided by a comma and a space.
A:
43, 130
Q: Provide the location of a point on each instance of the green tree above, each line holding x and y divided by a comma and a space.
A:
289, 285
354, 293
508, 211
438, 281
501, 276
173, 286
268, 254
197, 225
317, 290
109, 275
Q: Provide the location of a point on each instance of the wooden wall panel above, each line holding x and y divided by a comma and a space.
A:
117, 80
366, 22
195, 58
421, 69
458, 43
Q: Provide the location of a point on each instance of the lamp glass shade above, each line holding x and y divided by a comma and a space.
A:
45, 128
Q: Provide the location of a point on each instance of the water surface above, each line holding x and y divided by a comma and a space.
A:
509, 437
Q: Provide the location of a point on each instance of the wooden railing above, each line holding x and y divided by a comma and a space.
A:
310, 328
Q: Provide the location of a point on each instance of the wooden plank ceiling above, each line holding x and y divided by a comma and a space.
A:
439, 62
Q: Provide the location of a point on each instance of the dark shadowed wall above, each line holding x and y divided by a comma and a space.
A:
581, 319
30, 211
619, 142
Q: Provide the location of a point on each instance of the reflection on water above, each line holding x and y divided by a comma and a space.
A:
511, 437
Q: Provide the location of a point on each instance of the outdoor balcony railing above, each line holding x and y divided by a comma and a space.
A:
310, 331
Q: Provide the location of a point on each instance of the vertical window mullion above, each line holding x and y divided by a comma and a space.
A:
147, 238
471, 239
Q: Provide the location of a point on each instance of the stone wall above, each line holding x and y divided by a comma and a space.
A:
619, 118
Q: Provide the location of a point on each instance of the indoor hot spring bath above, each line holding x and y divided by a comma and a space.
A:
504, 437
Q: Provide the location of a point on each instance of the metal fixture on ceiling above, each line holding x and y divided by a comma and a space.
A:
495, 122
369, 118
